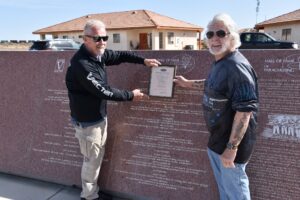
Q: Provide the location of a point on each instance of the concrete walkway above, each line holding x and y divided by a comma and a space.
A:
19, 188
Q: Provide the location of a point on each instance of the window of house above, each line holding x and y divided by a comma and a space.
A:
116, 38
149, 40
286, 34
65, 37
161, 44
170, 37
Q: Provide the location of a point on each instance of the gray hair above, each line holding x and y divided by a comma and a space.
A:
91, 25
230, 25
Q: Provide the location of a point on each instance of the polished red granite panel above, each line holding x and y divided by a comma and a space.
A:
37, 139
157, 147
274, 169
160, 143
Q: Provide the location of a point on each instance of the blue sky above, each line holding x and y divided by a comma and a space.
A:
19, 18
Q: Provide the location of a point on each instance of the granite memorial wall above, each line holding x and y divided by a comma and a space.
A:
156, 147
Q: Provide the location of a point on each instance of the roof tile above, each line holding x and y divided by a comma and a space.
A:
288, 17
121, 20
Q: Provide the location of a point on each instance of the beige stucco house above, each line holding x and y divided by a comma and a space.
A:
283, 27
136, 29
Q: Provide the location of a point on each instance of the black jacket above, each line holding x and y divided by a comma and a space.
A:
86, 80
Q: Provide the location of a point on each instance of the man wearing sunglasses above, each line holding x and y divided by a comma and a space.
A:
230, 104
88, 91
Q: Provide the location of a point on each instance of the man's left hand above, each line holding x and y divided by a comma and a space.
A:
151, 62
228, 157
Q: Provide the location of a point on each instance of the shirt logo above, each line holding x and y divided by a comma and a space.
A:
90, 77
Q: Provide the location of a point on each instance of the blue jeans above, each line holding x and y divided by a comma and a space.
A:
233, 183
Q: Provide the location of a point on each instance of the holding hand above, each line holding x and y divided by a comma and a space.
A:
138, 95
182, 82
151, 62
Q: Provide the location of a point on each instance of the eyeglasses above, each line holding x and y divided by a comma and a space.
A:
219, 33
98, 38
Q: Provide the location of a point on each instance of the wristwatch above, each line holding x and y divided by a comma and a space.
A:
231, 146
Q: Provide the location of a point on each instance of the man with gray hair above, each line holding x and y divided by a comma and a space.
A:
230, 104
88, 91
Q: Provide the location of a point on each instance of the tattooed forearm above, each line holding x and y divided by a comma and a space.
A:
198, 84
239, 127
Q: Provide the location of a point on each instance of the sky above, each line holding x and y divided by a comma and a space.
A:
19, 18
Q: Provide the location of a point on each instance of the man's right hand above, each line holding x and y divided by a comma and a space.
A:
182, 82
138, 95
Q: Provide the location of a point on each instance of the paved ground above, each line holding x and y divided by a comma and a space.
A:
19, 188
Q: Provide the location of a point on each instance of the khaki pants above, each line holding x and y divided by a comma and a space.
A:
92, 145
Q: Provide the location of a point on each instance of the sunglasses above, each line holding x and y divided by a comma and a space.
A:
219, 33
98, 38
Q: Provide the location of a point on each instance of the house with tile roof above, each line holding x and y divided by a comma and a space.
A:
283, 27
136, 29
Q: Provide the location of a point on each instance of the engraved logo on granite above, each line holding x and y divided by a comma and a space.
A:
60, 65
184, 62
283, 127
292, 62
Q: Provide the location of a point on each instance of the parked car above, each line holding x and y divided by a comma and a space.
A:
259, 40
188, 47
55, 45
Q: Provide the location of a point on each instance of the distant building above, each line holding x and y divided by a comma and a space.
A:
283, 27
137, 29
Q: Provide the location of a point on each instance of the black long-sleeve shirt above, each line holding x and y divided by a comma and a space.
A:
86, 80
230, 87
